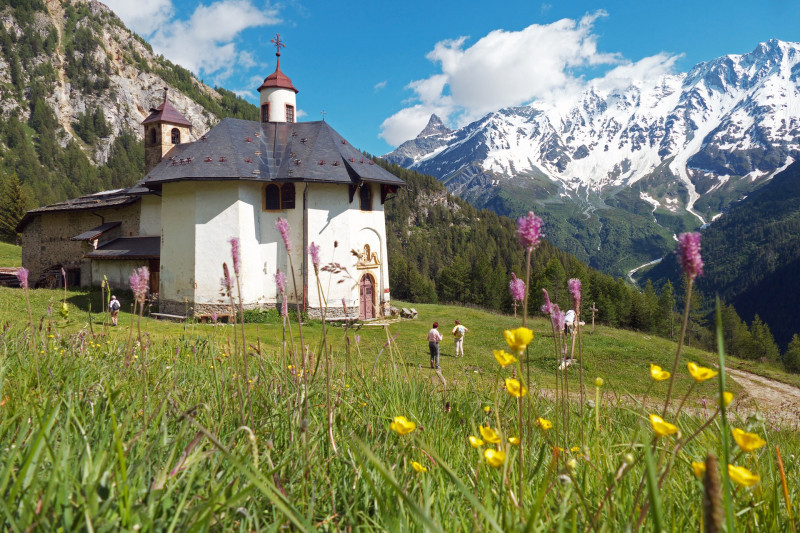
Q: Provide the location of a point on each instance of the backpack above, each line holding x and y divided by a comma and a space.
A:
458, 331
115, 305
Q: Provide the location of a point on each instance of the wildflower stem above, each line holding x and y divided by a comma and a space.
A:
244, 352
723, 420
683, 401
680, 343
33, 339
785, 488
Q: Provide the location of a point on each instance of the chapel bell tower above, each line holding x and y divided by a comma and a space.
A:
163, 129
278, 95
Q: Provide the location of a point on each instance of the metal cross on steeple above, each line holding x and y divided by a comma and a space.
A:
278, 44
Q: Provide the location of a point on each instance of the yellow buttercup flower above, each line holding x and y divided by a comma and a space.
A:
701, 373
747, 441
657, 373
504, 358
742, 476
518, 339
544, 423
418, 467
515, 388
487, 408
661, 427
475, 442
402, 425
575, 449
495, 458
727, 397
489, 435
514, 440
598, 382
699, 468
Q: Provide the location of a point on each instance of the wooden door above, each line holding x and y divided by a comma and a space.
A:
366, 294
155, 271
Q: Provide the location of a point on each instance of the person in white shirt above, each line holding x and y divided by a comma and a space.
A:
433, 344
458, 335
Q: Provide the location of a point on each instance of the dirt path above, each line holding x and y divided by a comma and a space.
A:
778, 402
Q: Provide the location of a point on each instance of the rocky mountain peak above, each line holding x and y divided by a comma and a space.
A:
435, 127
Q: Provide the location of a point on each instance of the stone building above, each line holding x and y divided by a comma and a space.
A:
236, 180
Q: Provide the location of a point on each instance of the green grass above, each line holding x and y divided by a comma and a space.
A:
157, 434
10, 255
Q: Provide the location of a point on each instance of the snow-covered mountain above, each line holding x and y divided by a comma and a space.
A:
673, 153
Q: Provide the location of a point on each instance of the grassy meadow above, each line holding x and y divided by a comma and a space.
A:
10, 255
164, 428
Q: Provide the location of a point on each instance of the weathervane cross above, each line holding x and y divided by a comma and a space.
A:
278, 44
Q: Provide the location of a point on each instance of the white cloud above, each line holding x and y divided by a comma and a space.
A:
380, 85
143, 16
205, 43
509, 68
647, 69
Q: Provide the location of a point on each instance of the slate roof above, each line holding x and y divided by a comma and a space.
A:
272, 151
129, 248
95, 232
166, 113
100, 200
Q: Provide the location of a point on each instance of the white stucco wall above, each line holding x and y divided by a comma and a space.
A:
331, 218
118, 272
200, 218
178, 202
150, 216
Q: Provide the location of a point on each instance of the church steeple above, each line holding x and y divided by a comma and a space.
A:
163, 128
278, 95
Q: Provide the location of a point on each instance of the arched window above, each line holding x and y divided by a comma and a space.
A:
272, 197
365, 194
287, 196
152, 136
176, 136
289, 113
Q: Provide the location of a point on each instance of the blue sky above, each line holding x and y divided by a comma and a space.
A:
379, 69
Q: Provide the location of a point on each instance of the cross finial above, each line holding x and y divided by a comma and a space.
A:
278, 44
323, 115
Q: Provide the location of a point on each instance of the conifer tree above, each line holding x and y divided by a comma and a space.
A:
791, 359
13, 204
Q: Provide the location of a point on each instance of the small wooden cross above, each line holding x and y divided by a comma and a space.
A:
323, 115
515, 309
593, 310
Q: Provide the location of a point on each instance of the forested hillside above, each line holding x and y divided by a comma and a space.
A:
61, 65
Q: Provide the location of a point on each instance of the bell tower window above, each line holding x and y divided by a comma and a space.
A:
152, 136
265, 112
289, 113
365, 195
176, 136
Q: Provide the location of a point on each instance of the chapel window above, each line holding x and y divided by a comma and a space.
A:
365, 195
265, 112
152, 136
176, 136
289, 113
287, 196
272, 197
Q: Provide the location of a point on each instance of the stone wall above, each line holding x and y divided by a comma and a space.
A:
46, 239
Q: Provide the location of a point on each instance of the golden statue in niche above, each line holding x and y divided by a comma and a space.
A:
367, 258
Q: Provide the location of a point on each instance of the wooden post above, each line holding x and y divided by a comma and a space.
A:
593, 310
515, 309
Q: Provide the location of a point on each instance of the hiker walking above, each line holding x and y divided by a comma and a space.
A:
458, 335
433, 344
113, 307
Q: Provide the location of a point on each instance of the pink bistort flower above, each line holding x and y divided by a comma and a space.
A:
280, 281
140, 280
22, 276
689, 254
227, 283
547, 308
517, 288
236, 253
575, 290
529, 231
313, 251
282, 225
